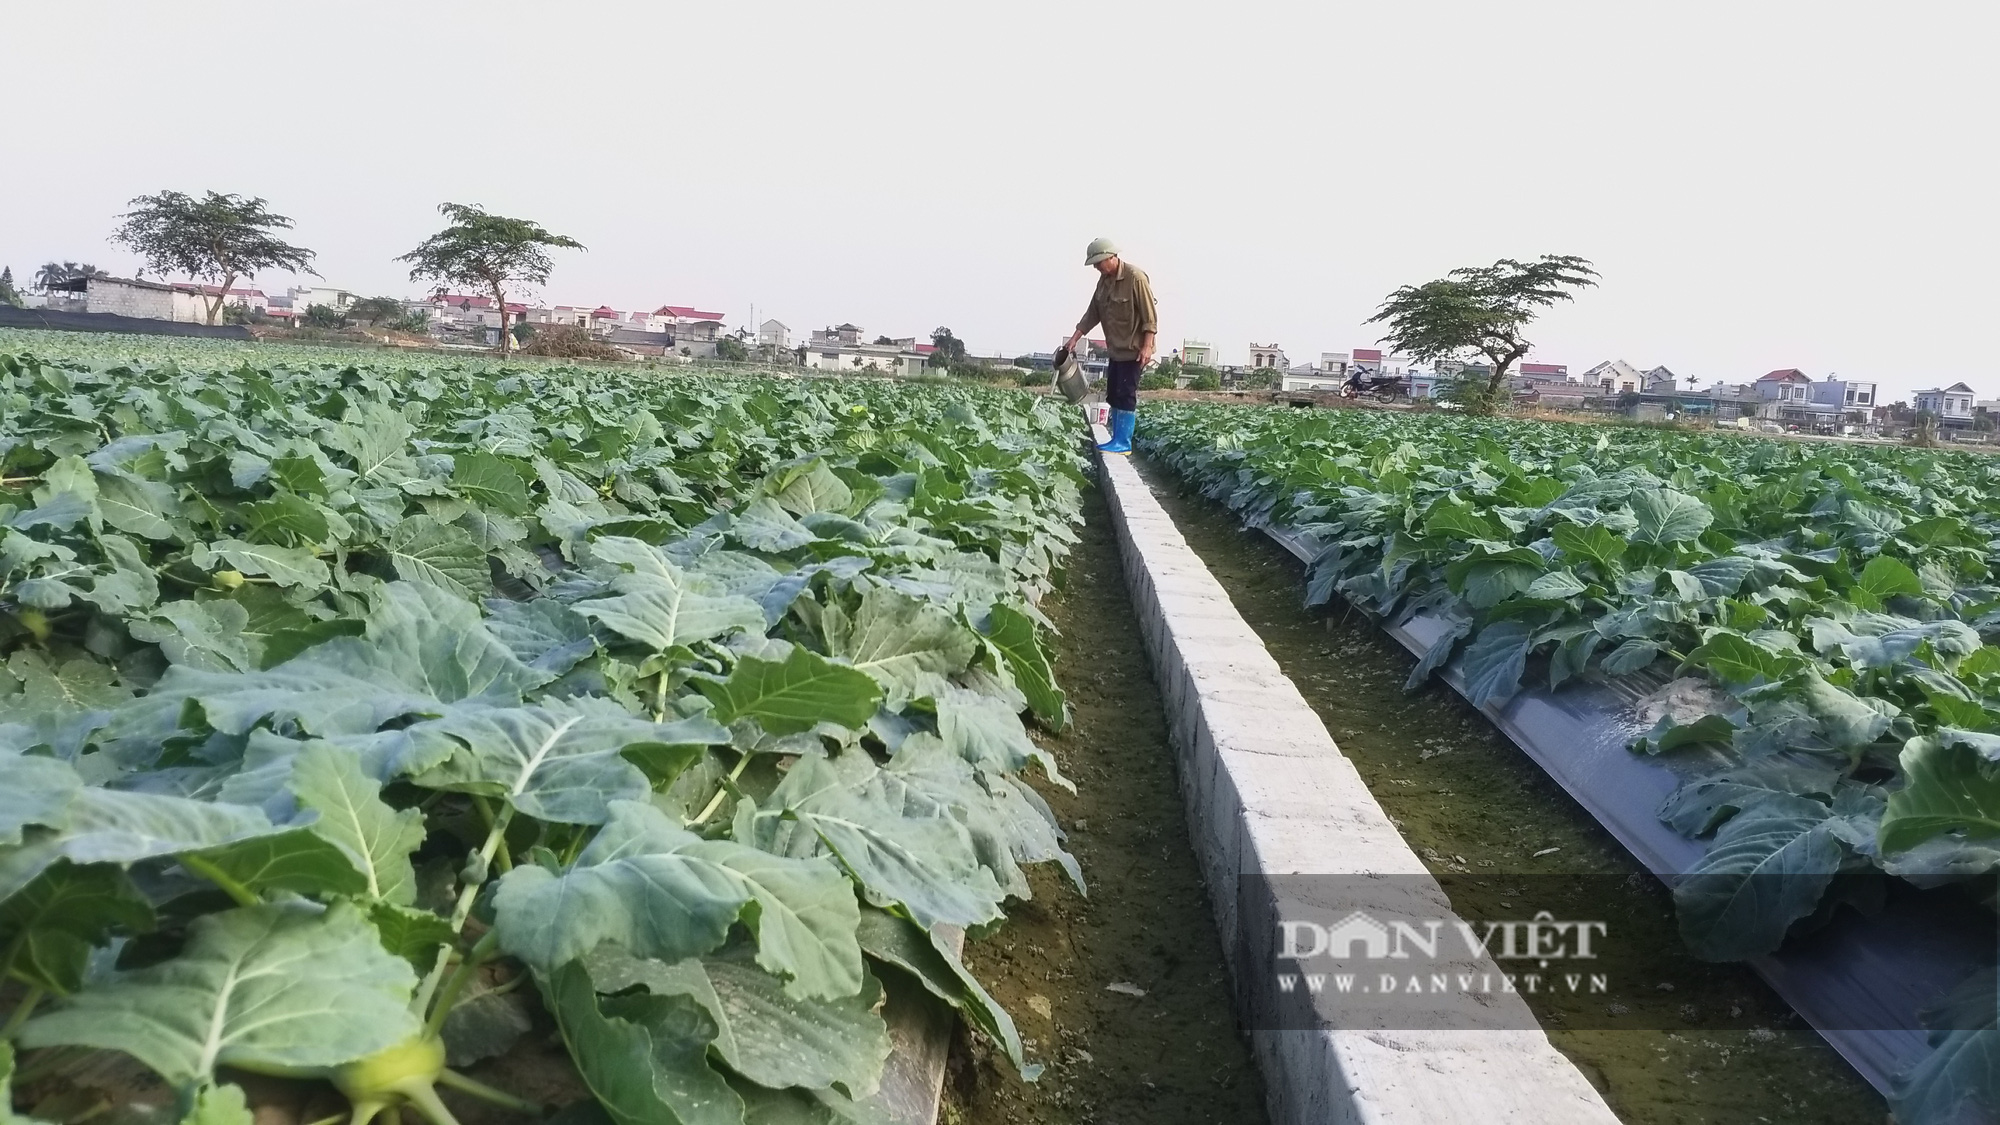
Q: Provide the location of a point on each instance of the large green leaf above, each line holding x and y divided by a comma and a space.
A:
297, 861
287, 566
376, 839
492, 481
207, 635
564, 760
543, 633
659, 604
1962, 1070
987, 732
51, 924
903, 848
34, 790
1885, 577
1017, 638
1763, 873
1698, 806
906, 644
1494, 661
1007, 821
424, 648
1595, 543
927, 957
1846, 719
52, 690
1946, 788
1735, 660
278, 985
1668, 516
1456, 519
643, 1057
143, 508
423, 550
795, 694
115, 826
813, 488
764, 526
764, 1034
657, 890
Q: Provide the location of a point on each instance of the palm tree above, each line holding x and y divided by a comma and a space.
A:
52, 274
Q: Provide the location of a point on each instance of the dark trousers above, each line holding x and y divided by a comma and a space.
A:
1121, 384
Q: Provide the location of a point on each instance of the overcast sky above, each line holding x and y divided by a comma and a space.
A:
1762, 184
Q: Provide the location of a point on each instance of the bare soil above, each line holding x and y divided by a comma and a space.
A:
1172, 1056
1707, 1043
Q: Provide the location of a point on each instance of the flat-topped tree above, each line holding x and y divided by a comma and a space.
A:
216, 238
491, 252
1480, 310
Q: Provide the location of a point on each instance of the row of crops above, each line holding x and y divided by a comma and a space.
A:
351, 709
1835, 604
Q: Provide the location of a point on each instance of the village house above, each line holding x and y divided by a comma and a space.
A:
1267, 357
1616, 377
125, 296
841, 349
1952, 405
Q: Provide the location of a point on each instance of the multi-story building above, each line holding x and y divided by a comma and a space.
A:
695, 332
1852, 393
1616, 377
1544, 372
1267, 357
1952, 405
305, 297
1785, 385
1197, 353
859, 358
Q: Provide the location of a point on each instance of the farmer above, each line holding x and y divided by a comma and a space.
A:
1123, 303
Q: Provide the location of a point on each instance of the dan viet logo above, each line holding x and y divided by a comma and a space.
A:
1405, 946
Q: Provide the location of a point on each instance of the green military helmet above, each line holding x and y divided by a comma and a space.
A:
1098, 250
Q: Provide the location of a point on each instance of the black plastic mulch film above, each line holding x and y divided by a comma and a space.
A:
1859, 981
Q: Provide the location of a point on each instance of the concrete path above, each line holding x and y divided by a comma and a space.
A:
1270, 798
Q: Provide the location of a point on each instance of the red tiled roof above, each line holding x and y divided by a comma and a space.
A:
605, 311
1367, 353
1786, 375
1545, 369
926, 349
464, 299
686, 312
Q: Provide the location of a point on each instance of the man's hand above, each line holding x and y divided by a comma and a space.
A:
1074, 337
1146, 349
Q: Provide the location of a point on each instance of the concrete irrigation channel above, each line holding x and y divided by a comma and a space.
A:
1287, 828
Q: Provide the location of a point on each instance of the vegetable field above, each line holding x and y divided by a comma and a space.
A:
352, 708
1829, 610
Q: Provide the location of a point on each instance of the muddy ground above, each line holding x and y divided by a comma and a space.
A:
1706, 1043
1069, 968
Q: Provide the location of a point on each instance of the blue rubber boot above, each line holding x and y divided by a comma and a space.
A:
1122, 422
